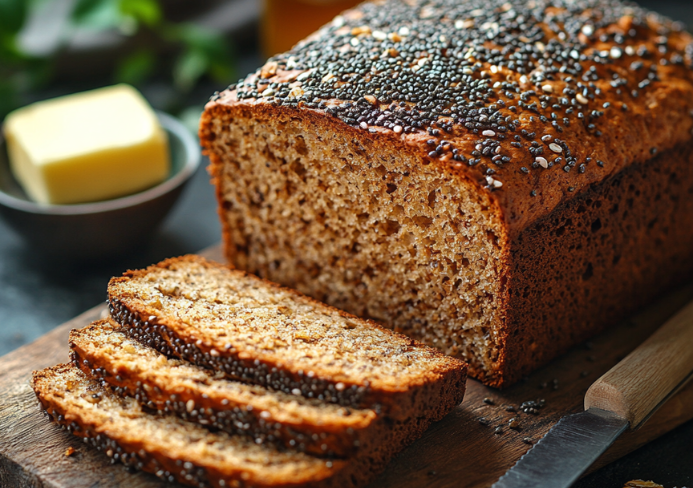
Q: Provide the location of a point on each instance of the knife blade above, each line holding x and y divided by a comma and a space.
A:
566, 451
625, 396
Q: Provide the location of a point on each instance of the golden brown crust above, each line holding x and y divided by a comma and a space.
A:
174, 337
598, 259
657, 119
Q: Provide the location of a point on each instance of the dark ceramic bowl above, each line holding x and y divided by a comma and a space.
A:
101, 229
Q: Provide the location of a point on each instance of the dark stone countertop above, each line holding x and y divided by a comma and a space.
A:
37, 294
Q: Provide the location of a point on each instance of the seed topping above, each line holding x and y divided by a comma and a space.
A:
499, 74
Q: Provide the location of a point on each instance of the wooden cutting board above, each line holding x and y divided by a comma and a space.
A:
463, 450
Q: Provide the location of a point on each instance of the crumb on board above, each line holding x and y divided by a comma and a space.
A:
642, 484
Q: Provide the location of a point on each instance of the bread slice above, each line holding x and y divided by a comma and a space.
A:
175, 449
256, 331
167, 446
105, 352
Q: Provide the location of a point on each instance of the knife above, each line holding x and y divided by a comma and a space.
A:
625, 397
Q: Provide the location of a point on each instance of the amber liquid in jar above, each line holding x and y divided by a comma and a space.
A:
285, 22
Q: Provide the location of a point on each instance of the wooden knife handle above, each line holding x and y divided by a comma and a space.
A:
644, 380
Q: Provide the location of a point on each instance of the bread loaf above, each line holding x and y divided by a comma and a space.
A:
497, 178
259, 332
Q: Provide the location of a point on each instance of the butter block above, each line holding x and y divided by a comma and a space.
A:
87, 147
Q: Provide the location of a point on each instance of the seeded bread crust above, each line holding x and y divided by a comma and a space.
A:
616, 42
119, 428
408, 378
195, 394
486, 135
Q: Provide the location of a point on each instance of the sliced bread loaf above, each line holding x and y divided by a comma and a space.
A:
256, 331
167, 446
500, 179
196, 394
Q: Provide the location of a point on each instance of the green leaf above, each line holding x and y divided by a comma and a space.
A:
222, 71
136, 67
147, 12
196, 37
13, 13
9, 98
8, 48
189, 67
96, 14
207, 45
37, 72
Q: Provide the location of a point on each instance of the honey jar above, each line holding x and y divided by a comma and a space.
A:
285, 22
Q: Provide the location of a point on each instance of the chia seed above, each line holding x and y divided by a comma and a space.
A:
405, 72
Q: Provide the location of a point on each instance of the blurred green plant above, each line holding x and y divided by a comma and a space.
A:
198, 51
16, 68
